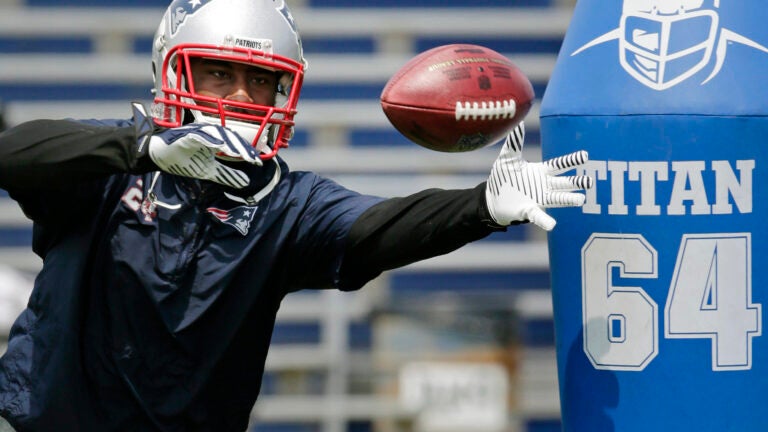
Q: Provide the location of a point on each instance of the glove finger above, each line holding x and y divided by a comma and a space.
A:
564, 199
570, 183
513, 144
218, 138
541, 219
240, 148
566, 162
205, 137
227, 176
200, 165
227, 143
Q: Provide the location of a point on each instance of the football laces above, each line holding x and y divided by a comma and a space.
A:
485, 110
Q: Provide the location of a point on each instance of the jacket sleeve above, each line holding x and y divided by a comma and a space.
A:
400, 231
57, 154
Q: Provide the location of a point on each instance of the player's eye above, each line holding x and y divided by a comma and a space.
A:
220, 74
263, 80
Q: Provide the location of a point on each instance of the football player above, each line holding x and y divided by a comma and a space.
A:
169, 240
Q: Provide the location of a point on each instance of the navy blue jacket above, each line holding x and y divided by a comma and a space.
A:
158, 294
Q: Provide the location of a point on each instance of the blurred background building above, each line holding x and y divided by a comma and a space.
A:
460, 343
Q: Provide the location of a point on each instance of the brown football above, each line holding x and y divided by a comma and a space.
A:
457, 98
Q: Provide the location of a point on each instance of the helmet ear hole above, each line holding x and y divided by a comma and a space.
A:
284, 84
154, 78
281, 100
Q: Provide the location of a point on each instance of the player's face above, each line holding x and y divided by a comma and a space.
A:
234, 81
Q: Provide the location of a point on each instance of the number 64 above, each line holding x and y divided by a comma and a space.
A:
710, 296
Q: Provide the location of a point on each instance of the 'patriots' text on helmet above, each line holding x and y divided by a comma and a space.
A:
261, 33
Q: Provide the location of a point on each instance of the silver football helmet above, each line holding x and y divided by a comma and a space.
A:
261, 33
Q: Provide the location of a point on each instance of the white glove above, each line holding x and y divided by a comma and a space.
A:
192, 150
517, 190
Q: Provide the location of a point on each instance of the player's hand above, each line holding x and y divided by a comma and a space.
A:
518, 190
192, 150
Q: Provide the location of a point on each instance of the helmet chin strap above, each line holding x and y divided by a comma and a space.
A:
258, 196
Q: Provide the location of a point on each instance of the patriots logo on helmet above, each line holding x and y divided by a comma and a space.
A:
239, 217
283, 9
181, 9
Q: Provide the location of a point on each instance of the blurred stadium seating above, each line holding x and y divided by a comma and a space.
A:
336, 357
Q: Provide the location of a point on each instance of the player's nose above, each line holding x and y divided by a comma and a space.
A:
238, 90
239, 94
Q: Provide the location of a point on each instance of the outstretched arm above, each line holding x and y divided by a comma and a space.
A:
400, 231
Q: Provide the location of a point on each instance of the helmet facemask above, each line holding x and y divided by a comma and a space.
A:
268, 127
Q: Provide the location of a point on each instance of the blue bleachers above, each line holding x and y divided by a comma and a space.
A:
51, 91
296, 332
539, 45
467, 282
37, 44
349, 45
359, 334
15, 236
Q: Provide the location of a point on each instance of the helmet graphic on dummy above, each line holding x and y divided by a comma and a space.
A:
664, 42
260, 33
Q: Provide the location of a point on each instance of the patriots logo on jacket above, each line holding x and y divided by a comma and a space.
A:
239, 217
181, 9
